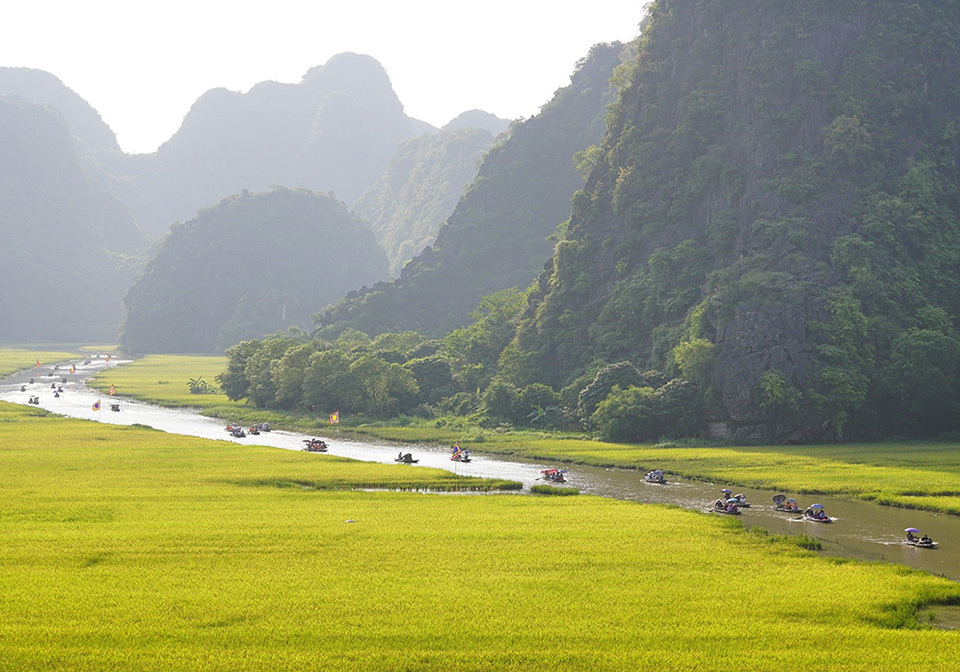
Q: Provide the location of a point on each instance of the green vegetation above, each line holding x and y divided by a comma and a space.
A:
497, 236
792, 251
420, 188
912, 475
129, 548
250, 265
12, 360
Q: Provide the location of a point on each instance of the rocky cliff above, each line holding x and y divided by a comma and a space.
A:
497, 236
775, 215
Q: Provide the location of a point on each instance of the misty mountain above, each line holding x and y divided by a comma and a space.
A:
497, 235
335, 131
253, 264
421, 185
81, 119
69, 247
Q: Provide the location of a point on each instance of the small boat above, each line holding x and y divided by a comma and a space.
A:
315, 445
254, 430
238, 432
460, 458
405, 458
786, 504
655, 476
815, 514
918, 542
555, 475
115, 407
729, 507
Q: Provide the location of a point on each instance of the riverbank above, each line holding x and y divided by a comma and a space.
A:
923, 476
131, 548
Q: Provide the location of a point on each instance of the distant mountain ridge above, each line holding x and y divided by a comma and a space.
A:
252, 264
69, 247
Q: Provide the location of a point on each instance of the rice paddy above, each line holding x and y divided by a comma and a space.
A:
127, 548
912, 475
13, 360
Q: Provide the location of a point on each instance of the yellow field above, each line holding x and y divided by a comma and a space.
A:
920, 475
126, 548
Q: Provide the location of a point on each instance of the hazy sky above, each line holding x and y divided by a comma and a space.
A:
143, 63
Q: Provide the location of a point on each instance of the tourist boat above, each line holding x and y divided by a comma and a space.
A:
655, 476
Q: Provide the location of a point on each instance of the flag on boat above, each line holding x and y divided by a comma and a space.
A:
38, 363
456, 451
335, 418
73, 368
113, 390
96, 405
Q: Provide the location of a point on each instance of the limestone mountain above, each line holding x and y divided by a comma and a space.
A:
81, 119
335, 130
420, 188
497, 235
253, 264
775, 217
69, 247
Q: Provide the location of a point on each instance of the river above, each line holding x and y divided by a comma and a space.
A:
861, 530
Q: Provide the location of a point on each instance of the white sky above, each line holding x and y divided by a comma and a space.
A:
142, 63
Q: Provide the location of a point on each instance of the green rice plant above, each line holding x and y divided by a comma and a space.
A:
127, 548
555, 490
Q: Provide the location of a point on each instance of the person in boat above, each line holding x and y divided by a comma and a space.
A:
925, 540
466, 455
720, 504
910, 537
23, 388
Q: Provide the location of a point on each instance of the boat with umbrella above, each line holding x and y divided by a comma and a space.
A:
912, 539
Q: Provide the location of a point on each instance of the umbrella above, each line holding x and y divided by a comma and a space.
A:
726, 490
816, 506
732, 501
792, 500
779, 498
912, 530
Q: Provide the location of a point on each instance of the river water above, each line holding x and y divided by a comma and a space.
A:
860, 530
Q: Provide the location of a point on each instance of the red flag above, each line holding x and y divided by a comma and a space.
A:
38, 363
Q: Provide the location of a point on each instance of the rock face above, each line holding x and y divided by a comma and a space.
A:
66, 257
779, 180
496, 237
251, 265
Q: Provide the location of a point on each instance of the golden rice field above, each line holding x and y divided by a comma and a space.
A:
130, 549
920, 475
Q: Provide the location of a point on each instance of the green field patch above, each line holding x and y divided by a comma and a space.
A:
13, 360
553, 490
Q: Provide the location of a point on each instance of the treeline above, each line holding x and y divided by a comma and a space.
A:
406, 374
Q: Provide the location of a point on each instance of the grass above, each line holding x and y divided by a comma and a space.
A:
126, 548
13, 360
913, 475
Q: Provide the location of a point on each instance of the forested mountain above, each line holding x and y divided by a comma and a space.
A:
422, 183
496, 236
65, 259
253, 264
333, 131
775, 218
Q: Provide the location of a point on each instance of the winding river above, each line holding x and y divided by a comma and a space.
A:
861, 530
